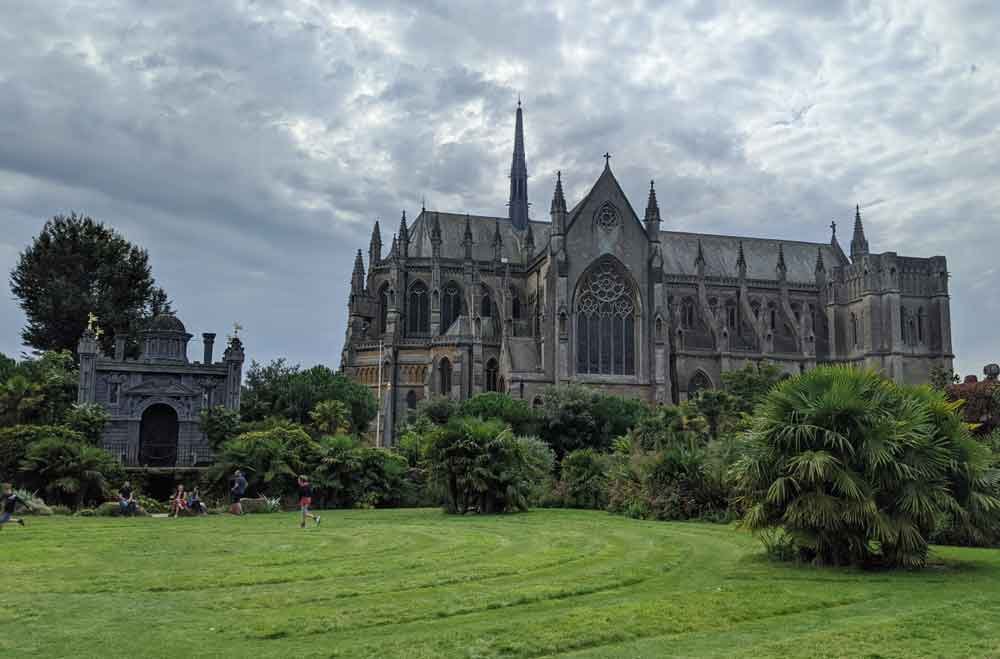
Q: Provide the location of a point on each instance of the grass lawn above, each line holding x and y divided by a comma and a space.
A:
418, 583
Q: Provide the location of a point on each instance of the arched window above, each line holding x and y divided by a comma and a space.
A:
491, 375
411, 400
451, 305
515, 305
699, 382
920, 324
605, 322
687, 313
418, 310
731, 314
444, 377
772, 313
854, 330
383, 308
486, 304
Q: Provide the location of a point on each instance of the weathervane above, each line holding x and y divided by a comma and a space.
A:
92, 324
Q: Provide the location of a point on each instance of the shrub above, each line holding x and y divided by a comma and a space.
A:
585, 479
61, 510
857, 470
150, 506
330, 417
439, 409
14, 443
981, 403
71, 472
89, 420
520, 416
482, 467
220, 424
270, 459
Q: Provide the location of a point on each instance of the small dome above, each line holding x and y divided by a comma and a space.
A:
166, 322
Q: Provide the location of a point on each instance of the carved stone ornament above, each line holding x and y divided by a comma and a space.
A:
607, 217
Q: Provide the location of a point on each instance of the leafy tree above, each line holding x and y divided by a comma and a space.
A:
585, 479
220, 424
7, 367
277, 389
73, 472
718, 407
15, 441
89, 420
330, 417
271, 459
940, 377
749, 385
75, 267
38, 390
858, 470
438, 409
569, 420
482, 467
522, 418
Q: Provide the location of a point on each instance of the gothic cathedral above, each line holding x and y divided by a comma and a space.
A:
466, 303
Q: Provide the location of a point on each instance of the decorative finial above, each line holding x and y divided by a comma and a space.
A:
519, 99
607, 159
92, 322
833, 228
237, 328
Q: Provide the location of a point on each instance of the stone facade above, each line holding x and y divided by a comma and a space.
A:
463, 304
154, 401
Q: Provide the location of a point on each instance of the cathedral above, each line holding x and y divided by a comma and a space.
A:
600, 295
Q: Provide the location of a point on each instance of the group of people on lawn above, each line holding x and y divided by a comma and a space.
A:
181, 501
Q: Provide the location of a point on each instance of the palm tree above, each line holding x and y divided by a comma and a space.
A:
330, 417
19, 399
69, 471
858, 470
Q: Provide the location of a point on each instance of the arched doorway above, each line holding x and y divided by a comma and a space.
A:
444, 372
158, 436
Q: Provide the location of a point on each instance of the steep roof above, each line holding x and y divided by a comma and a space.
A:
482, 227
721, 253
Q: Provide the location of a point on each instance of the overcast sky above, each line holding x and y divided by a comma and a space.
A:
250, 146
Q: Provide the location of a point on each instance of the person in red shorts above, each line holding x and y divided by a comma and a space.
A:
305, 500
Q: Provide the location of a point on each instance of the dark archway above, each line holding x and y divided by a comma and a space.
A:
158, 436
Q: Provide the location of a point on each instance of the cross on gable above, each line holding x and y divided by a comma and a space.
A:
607, 159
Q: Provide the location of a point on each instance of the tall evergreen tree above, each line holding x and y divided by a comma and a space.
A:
77, 266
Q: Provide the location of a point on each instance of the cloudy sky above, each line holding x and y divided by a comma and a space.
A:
250, 145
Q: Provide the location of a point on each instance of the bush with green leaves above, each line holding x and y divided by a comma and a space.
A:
858, 470
482, 467
271, 460
220, 424
330, 417
584, 479
38, 389
14, 444
577, 416
89, 420
68, 471
518, 414
749, 385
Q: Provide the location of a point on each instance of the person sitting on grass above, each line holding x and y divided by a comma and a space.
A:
239, 488
10, 501
126, 500
195, 504
305, 500
179, 502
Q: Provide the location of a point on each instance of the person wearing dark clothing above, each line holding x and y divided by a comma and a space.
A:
238, 490
305, 500
10, 501
126, 500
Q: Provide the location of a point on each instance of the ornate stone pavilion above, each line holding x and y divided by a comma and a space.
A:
154, 401
601, 295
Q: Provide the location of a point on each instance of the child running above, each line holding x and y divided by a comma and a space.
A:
305, 500
10, 501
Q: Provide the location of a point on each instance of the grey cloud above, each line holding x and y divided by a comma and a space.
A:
250, 147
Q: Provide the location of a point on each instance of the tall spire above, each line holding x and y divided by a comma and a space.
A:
741, 261
404, 236
358, 276
859, 244
467, 238
518, 204
652, 215
699, 260
375, 247
820, 266
435, 230
781, 268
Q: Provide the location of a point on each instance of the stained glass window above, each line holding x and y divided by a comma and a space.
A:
606, 324
418, 309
